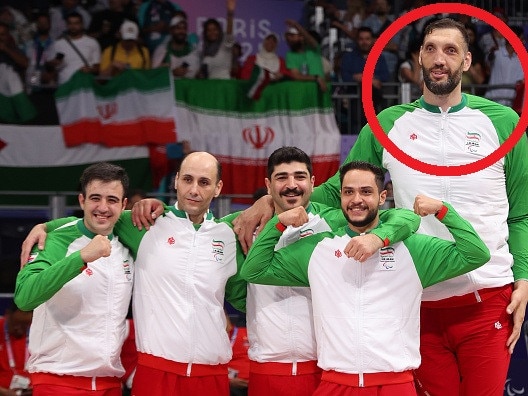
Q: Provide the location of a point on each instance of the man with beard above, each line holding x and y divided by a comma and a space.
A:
304, 59
177, 53
366, 315
478, 311
75, 51
282, 347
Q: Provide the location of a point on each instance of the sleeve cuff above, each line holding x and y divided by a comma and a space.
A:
442, 212
281, 227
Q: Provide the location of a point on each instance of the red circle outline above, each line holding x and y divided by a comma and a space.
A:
368, 73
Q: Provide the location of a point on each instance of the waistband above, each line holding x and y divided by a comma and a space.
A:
183, 369
467, 299
74, 381
367, 379
289, 368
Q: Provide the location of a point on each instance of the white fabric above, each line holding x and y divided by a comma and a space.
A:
72, 62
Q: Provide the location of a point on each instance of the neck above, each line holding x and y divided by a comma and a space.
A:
196, 219
444, 101
75, 36
360, 230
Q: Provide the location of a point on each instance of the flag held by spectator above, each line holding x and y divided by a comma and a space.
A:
15, 106
132, 109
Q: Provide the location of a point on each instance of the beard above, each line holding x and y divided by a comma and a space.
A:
369, 218
442, 88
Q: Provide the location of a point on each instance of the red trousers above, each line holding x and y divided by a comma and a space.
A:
464, 348
55, 390
283, 385
153, 382
327, 388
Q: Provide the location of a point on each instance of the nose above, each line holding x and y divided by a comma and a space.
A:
291, 182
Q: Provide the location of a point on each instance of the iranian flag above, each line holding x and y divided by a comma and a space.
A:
218, 117
15, 106
132, 109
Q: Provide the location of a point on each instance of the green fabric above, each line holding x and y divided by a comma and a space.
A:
311, 58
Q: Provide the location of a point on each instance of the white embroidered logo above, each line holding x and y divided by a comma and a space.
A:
498, 325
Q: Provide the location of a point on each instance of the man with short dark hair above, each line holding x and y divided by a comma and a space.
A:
75, 51
80, 287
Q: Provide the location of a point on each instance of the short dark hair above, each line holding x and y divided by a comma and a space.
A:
446, 23
74, 14
379, 174
366, 29
105, 172
286, 155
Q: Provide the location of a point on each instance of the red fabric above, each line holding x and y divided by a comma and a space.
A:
76, 381
240, 359
283, 385
149, 381
464, 348
129, 356
247, 67
55, 390
19, 351
332, 389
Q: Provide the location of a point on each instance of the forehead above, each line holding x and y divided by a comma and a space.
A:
199, 167
444, 36
290, 167
100, 187
359, 178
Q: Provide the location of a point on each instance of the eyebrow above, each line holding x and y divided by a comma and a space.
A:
294, 173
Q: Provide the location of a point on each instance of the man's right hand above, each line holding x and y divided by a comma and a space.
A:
37, 236
145, 212
252, 220
98, 247
295, 217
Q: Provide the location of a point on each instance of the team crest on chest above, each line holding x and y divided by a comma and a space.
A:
387, 258
472, 142
218, 250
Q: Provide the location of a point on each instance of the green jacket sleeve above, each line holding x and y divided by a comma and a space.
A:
516, 171
129, 235
40, 279
437, 259
287, 266
236, 286
396, 225
367, 148
56, 223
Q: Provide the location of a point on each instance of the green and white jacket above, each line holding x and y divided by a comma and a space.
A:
366, 315
494, 200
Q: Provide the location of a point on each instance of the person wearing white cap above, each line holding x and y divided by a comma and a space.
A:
128, 53
178, 53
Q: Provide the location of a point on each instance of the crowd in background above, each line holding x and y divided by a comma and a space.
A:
47, 42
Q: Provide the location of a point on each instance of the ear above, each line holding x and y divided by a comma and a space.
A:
218, 188
267, 182
383, 197
176, 179
467, 61
312, 180
81, 201
125, 201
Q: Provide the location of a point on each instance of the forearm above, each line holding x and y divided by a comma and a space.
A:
40, 280
397, 225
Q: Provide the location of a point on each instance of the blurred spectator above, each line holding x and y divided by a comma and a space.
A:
134, 195
412, 32
106, 23
350, 20
75, 51
217, 47
59, 14
410, 70
492, 40
178, 54
304, 59
236, 65
19, 27
154, 18
505, 68
266, 59
378, 21
389, 200
39, 50
10, 54
14, 327
477, 71
127, 53
352, 65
